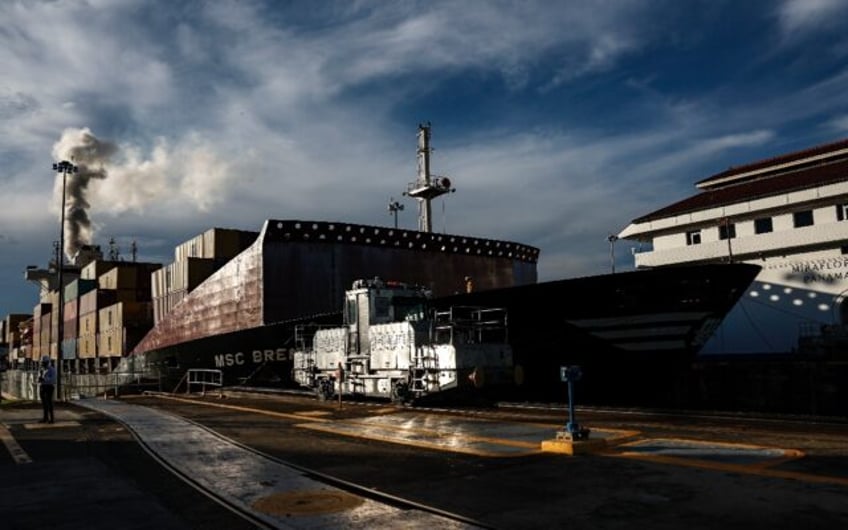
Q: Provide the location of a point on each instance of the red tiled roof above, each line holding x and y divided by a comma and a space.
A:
790, 181
781, 159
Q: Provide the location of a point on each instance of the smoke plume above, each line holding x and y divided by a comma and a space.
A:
189, 172
90, 155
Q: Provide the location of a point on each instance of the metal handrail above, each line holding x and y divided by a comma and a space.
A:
205, 377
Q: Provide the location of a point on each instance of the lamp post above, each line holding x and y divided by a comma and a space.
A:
64, 167
612, 238
394, 207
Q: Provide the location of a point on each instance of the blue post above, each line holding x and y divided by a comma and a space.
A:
570, 374
572, 425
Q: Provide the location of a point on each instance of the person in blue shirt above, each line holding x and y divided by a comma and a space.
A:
46, 384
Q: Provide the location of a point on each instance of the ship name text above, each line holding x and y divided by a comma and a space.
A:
225, 360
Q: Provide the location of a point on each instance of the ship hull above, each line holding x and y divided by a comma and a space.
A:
634, 333
633, 330
791, 307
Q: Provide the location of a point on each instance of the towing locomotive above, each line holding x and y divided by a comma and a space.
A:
394, 344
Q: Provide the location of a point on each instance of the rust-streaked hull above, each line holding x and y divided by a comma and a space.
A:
298, 269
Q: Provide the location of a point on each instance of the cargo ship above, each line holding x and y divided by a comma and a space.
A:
236, 301
244, 318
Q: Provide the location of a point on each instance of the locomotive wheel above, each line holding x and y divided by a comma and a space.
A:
400, 392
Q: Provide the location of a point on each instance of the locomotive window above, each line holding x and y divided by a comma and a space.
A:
408, 308
381, 306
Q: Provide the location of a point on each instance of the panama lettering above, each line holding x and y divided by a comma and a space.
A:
822, 270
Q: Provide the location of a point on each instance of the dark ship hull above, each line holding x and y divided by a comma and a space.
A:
244, 319
635, 334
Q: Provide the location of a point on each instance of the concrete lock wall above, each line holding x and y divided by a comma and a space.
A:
22, 384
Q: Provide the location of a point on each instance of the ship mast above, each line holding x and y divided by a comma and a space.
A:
427, 187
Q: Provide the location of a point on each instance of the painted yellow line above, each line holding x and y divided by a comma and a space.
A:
768, 461
763, 469
18, 454
735, 468
314, 413
58, 424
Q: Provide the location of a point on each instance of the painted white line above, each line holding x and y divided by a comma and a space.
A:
18, 454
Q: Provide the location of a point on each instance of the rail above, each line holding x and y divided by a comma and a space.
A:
205, 377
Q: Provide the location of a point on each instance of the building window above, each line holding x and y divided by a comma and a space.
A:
804, 218
841, 212
693, 237
763, 225
727, 231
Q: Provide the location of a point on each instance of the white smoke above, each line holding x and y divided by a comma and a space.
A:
114, 179
90, 156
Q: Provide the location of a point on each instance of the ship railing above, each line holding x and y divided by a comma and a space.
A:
472, 323
205, 377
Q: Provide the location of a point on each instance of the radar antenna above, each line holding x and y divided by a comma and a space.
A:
427, 187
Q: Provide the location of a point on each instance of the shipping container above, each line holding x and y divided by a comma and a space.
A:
40, 309
79, 287
87, 346
215, 243
118, 342
111, 343
11, 325
93, 270
69, 348
54, 324
96, 300
183, 275
126, 314
129, 275
45, 330
70, 328
88, 323
226, 243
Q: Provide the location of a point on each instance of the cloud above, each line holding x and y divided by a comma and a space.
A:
798, 16
228, 113
839, 124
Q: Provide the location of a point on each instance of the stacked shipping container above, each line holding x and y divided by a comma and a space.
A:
195, 260
71, 332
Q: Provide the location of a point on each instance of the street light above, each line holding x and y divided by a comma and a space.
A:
64, 167
394, 207
612, 238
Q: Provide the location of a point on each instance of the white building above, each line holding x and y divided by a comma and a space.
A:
788, 214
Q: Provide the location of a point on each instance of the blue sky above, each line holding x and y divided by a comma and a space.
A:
558, 122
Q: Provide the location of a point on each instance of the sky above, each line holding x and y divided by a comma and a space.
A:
557, 122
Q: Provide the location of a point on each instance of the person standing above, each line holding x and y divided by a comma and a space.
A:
46, 384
